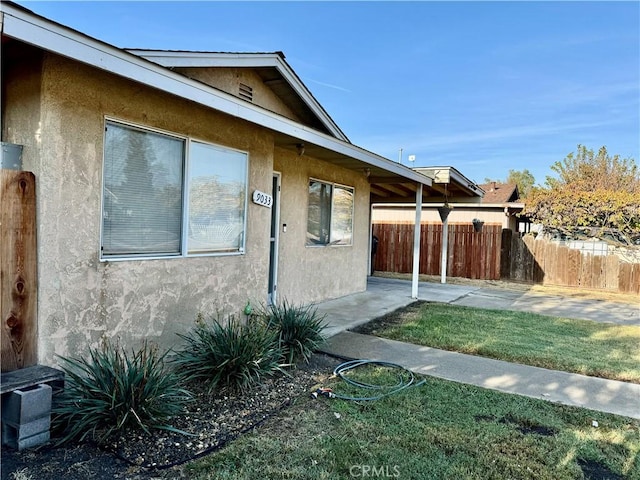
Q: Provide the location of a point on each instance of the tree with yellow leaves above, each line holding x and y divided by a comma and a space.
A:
592, 191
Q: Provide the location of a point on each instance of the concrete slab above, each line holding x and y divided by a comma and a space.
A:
609, 396
382, 296
385, 295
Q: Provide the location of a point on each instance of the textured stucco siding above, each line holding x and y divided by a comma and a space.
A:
310, 274
21, 98
82, 299
229, 80
430, 215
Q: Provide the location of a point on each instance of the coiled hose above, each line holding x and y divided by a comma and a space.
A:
406, 379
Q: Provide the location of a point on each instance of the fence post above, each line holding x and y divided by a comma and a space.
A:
505, 253
18, 301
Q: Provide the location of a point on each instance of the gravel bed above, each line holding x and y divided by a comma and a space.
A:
210, 421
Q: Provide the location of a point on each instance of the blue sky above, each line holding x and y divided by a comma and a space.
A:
482, 86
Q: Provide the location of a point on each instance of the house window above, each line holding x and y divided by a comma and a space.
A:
330, 214
169, 196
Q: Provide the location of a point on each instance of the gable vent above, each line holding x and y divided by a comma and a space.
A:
246, 92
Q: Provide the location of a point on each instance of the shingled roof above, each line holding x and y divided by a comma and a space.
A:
499, 192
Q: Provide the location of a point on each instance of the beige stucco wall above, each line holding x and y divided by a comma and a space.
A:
459, 214
309, 274
229, 80
22, 74
82, 299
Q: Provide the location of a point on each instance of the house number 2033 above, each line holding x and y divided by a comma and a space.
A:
262, 198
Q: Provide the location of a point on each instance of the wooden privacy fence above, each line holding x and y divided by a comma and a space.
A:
541, 261
494, 254
470, 254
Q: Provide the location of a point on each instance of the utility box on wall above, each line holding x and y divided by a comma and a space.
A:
10, 156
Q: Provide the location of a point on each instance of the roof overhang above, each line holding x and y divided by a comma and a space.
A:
388, 178
272, 68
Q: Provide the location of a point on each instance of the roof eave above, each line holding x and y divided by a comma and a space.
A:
174, 58
23, 25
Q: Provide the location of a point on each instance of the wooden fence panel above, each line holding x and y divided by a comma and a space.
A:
494, 253
18, 278
629, 278
612, 267
471, 254
542, 261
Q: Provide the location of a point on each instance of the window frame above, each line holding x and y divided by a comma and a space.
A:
184, 218
353, 209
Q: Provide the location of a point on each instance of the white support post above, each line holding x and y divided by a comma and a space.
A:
416, 243
445, 240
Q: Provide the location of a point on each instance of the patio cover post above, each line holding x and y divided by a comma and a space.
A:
445, 241
416, 243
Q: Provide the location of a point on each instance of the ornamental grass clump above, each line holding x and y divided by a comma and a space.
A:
113, 392
299, 329
228, 354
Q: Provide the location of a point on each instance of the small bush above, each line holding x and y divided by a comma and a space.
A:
299, 329
228, 355
113, 392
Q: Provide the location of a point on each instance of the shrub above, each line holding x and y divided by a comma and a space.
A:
299, 329
230, 355
112, 391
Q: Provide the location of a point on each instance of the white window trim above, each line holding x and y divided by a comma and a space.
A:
353, 212
185, 197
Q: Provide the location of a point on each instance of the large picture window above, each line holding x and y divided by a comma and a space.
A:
168, 196
330, 214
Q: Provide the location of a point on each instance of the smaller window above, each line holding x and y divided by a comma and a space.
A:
330, 214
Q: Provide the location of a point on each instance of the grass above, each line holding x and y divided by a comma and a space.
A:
439, 429
578, 346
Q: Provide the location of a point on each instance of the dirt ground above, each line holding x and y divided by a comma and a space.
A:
211, 422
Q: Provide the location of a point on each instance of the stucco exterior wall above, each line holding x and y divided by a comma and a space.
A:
229, 80
81, 299
310, 274
491, 216
22, 71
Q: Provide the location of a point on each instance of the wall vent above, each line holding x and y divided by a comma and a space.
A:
246, 92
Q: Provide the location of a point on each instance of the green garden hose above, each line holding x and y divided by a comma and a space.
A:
406, 379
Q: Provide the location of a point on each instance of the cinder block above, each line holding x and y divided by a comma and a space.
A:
24, 406
25, 430
22, 443
26, 416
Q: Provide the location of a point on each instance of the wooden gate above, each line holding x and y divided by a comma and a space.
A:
18, 276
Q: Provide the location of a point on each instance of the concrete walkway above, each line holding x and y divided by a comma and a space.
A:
386, 295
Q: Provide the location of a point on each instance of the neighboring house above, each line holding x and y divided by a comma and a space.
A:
493, 203
171, 183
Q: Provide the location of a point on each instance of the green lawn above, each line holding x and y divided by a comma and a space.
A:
439, 430
579, 346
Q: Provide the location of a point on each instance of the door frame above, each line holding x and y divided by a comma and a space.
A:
272, 282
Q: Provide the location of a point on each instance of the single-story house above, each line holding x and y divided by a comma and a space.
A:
169, 183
